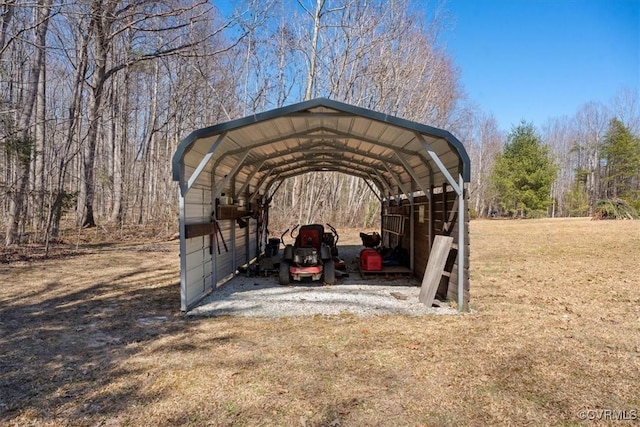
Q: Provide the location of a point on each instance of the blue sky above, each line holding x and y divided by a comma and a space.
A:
538, 59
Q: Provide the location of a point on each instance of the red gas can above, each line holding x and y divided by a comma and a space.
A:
370, 260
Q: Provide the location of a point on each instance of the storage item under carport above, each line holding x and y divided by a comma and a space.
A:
370, 240
373, 263
272, 248
370, 260
311, 255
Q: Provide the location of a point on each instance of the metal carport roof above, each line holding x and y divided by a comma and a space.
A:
248, 156
399, 156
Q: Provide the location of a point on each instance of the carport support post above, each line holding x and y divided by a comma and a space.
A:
411, 233
183, 258
214, 242
461, 243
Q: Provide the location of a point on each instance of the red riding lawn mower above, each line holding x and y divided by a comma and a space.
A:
314, 255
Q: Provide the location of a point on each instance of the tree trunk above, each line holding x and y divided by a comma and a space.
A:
120, 106
24, 142
88, 160
41, 137
17, 199
314, 50
8, 11
102, 18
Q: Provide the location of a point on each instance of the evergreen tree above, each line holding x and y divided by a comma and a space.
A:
523, 172
577, 199
621, 155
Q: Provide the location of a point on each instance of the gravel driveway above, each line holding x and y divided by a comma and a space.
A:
265, 297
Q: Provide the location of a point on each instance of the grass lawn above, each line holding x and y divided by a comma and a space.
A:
95, 337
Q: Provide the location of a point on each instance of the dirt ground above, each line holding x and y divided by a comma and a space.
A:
94, 336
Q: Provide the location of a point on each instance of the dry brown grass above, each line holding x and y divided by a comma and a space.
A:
96, 339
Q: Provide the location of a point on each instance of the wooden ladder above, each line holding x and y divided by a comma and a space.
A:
435, 269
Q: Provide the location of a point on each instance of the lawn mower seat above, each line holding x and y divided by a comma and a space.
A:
310, 236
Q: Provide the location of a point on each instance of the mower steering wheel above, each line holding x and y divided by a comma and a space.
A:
292, 230
282, 236
335, 233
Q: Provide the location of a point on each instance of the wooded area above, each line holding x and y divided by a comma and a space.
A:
96, 95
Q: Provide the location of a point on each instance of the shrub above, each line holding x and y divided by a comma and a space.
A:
615, 209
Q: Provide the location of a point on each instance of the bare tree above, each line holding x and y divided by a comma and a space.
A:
317, 13
560, 136
485, 144
22, 141
378, 56
626, 107
591, 125
109, 20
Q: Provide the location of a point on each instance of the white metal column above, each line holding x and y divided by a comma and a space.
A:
461, 243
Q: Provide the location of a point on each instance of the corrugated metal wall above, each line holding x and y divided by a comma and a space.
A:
253, 238
201, 266
195, 259
224, 260
205, 261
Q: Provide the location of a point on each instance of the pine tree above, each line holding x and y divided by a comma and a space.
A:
621, 155
523, 172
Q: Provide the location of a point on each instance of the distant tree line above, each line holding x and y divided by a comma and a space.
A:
95, 96
569, 168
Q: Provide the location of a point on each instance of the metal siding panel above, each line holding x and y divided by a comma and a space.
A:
449, 159
191, 162
194, 196
207, 267
440, 146
204, 179
206, 197
224, 265
196, 259
195, 286
253, 238
195, 276
197, 205
424, 176
194, 211
207, 282
224, 167
241, 246
188, 171
195, 244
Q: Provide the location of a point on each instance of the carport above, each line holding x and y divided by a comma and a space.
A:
229, 172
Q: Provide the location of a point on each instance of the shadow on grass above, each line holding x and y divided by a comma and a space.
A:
64, 352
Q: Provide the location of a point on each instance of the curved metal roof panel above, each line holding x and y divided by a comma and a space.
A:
321, 134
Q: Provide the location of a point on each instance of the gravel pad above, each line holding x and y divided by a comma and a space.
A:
265, 297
